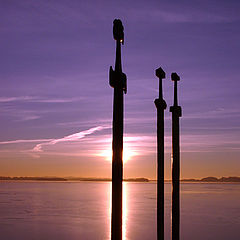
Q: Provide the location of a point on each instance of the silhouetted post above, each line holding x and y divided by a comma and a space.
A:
118, 81
176, 113
161, 106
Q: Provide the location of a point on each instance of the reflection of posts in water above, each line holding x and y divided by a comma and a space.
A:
176, 113
161, 106
117, 80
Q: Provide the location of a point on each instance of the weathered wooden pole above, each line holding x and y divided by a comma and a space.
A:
161, 106
176, 113
118, 81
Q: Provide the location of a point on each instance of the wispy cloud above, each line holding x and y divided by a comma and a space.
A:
104, 121
52, 141
217, 113
195, 16
22, 108
28, 118
38, 99
25, 141
169, 14
14, 99
20, 115
72, 137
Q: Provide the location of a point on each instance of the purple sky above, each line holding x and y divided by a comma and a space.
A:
55, 57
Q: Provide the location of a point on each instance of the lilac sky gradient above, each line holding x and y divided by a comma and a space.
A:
55, 57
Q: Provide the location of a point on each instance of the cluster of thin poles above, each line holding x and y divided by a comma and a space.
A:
176, 113
118, 80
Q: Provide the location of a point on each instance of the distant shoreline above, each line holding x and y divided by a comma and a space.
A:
214, 180
69, 179
75, 179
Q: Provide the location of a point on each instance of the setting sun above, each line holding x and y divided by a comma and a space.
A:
128, 153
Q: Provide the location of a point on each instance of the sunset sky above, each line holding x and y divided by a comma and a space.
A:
56, 102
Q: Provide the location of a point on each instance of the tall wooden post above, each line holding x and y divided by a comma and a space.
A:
176, 113
161, 106
117, 80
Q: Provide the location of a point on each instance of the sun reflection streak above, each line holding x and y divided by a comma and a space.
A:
124, 211
110, 208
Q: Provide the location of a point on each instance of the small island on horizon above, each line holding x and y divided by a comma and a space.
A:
92, 179
214, 179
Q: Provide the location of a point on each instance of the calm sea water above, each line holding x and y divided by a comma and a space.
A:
81, 210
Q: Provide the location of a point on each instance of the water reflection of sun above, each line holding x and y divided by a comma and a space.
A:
124, 210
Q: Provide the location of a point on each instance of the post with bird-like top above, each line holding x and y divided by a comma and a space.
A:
176, 114
117, 80
161, 106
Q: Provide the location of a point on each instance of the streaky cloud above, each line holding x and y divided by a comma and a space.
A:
37, 99
26, 141
218, 113
72, 137
52, 141
104, 121
14, 99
